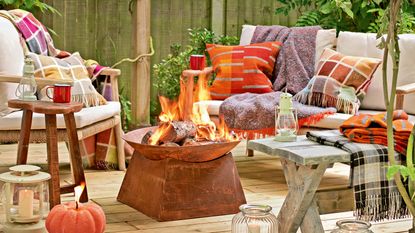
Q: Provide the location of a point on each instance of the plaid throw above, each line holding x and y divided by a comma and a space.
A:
376, 197
366, 128
71, 68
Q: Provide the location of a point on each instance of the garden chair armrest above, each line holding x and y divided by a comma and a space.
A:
39, 81
187, 82
113, 75
401, 91
111, 72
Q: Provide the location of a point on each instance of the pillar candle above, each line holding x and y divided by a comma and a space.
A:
254, 228
26, 203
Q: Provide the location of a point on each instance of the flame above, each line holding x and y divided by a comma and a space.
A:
174, 111
78, 192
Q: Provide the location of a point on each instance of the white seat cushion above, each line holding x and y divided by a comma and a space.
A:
85, 117
212, 106
334, 121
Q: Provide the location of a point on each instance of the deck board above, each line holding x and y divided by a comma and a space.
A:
261, 177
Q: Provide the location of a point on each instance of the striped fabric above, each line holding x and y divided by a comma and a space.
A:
241, 69
340, 81
366, 128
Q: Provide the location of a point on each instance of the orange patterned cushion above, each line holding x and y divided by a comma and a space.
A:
350, 71
241, 69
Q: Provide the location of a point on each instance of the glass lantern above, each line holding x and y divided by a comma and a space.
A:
25, 198
255, 219
357, 226
26, 89
286, 122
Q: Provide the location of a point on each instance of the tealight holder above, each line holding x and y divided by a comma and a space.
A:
25, 199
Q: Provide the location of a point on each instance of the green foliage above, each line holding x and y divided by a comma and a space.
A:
125, 111
347, 15
167, 72
28, 5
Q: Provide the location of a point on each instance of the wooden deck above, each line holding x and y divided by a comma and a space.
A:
261, 176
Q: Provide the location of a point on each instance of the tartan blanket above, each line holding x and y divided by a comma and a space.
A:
376, 197
367, 128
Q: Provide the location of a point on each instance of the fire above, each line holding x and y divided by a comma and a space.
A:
206, 129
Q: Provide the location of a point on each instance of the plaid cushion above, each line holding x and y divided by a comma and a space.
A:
241, 69
68, 68
349, 71
340, 81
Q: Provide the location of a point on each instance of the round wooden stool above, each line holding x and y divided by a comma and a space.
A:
50, 109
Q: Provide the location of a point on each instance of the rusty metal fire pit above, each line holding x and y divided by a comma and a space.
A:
192, 153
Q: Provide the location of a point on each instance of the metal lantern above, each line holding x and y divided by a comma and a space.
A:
25, 198
26, 89
286, 123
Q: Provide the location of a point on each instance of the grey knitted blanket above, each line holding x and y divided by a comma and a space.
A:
254, 114
295, 62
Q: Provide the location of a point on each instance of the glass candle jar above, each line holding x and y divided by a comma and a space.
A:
355, 226
255, 219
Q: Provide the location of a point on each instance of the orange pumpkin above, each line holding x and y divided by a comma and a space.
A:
65, 218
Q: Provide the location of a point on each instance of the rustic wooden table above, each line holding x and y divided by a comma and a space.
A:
50, 109
304, 163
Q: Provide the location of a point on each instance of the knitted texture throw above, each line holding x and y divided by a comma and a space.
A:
295, 62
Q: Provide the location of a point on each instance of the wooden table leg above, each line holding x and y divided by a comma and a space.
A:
23, 146
53, 159
75, 155
299, 208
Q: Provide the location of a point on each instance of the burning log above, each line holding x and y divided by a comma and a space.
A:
177, 131
171, 144
146, 137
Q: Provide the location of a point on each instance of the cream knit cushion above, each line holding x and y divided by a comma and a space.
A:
365, 44
11, 62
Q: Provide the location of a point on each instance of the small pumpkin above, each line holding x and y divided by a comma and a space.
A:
66, 218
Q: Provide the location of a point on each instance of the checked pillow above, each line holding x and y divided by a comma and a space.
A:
241, 69
340, 81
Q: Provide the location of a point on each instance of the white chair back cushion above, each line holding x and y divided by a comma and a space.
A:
365, 44
324, 39
11, 62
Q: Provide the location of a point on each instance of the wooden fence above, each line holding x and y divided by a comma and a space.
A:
102, 29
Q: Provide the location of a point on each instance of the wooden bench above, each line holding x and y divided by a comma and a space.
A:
304, 163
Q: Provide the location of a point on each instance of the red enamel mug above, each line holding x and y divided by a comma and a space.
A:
197, 62
61, 93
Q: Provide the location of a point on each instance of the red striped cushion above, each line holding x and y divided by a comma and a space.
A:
241, 69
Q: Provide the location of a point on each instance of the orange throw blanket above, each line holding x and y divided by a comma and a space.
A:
367, 128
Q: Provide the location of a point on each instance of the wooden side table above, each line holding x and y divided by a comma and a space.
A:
50, 109
304, 163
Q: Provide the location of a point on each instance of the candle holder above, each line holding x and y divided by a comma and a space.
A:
25, 198
255, 219
286, 122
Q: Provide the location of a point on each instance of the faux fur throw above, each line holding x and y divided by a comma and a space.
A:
295, 62
253, 115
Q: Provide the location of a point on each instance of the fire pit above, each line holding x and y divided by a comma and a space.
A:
182, 168
189, 153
